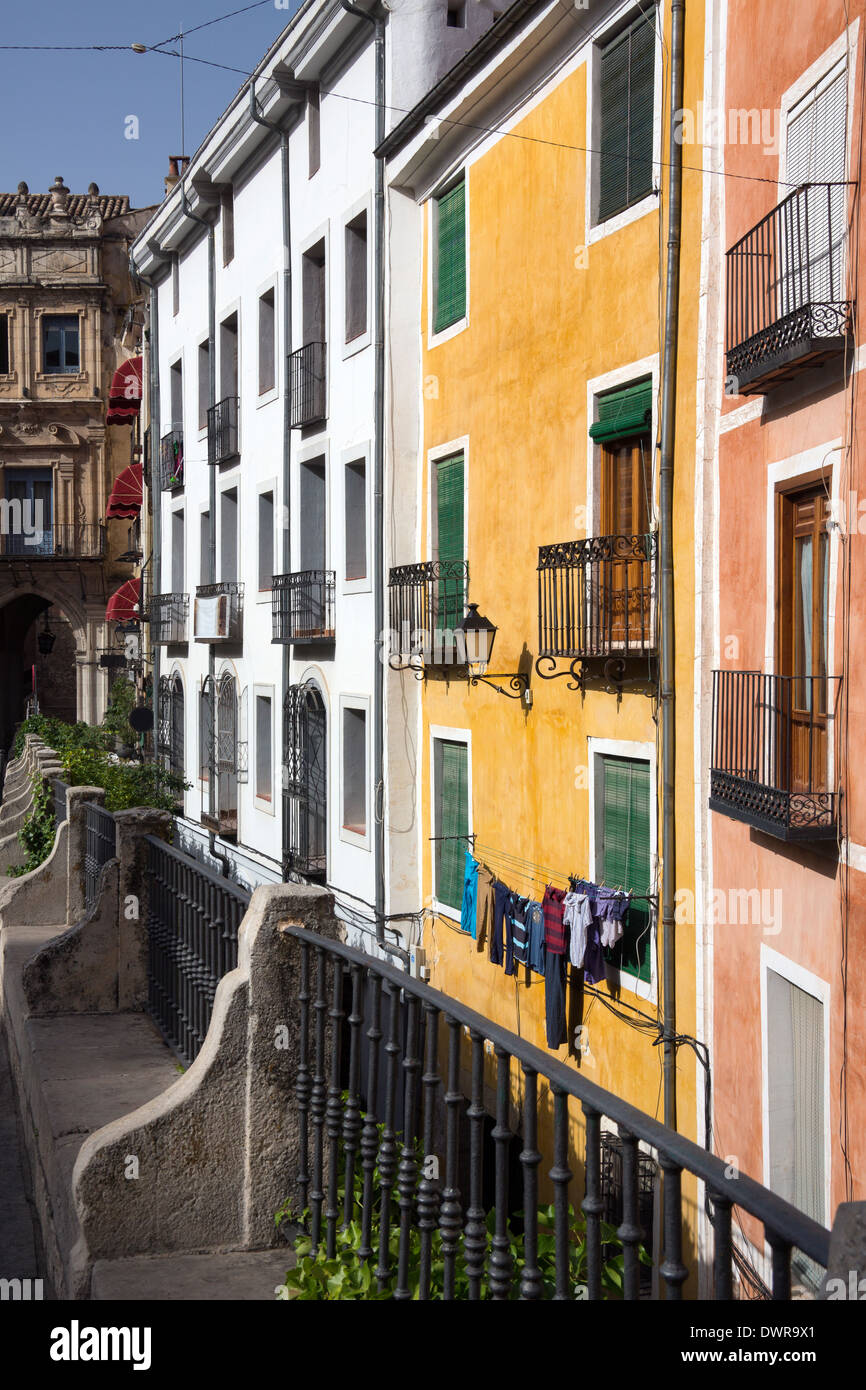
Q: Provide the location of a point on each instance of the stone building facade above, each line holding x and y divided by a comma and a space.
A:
69, 316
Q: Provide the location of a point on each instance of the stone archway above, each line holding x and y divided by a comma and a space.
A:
66, 679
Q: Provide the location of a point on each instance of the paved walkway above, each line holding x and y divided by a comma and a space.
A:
19, 1245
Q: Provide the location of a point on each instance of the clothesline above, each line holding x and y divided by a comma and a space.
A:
537, 872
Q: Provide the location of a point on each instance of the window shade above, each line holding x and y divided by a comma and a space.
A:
451, 819
450, 541
626, 857
450, 257
626, 96
625, 412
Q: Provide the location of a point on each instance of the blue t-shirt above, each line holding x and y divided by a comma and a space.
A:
470, 896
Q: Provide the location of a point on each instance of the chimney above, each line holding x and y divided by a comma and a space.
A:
176, 165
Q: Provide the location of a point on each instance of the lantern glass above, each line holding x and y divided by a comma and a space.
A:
478, 635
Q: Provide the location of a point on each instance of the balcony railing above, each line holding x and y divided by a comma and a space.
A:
171, 460
596, 597
309, 378
169, 617
773, 753
100, 845
303, 606
427, 602
222, 430
66, 541
786, 289
219, 612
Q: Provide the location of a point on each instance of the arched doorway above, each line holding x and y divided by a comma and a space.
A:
305, 782
170, 737
219, 733
30, 675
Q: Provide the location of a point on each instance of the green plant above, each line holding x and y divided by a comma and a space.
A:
347, 1277
116, 717
37, 832
58, 734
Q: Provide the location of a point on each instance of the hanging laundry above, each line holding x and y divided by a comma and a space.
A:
611, 905
468, 913
520, 929
534, 918
593, 954
554, 927
554, 998
502, 928
484, 908
577, 916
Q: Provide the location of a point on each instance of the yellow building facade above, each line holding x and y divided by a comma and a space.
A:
541, 399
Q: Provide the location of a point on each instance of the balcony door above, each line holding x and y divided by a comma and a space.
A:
813, 224
29, 514
305, 782
449, 542
802, 627
621, 594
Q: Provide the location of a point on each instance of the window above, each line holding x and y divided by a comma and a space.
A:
356, 520
623, 860
205, 731
313, 116
229, 357
227, 219
455, 14
802, 638
355, 770
450, 820
205, 569
60, 350
450, 259
305, 782
313, 291
816, 154
620, 605
795, 1101
229, 535
266, 541
313, 498
264, 752
175, 382
356, 277
29, 511
267, 343
203, 383
4, 344
175, 285
449, 540
177, 552
626, 101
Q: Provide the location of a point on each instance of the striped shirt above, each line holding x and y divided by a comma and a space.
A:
520, 929
554, 927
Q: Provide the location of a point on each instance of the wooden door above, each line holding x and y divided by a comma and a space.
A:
622, 579
802, 621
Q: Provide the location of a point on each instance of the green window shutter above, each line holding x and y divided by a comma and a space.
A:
450, 543
450, 257
627, 84
451, 772
626, 857
625, 412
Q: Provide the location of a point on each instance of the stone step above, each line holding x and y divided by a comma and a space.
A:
215, 1275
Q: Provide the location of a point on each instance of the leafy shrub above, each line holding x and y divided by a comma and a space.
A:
37, 832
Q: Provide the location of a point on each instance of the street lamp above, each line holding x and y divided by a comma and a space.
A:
45, 639
479, 634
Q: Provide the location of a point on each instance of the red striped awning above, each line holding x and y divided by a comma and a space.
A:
125, 499
124, 395
123, 606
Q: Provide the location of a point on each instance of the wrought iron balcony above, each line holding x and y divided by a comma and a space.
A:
218, 614
786, 289
171, 460
303, 606
169, 616
309, 378
596, 597
20, 539
222, 430
426, 604
773, 757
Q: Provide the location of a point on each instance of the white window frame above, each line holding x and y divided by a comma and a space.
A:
843, 49
596, 387
176, 360
443, 731
360, 454
636, 752
231, 483
435, 339
268, 808
364, 339
434, 455
321, 233
180, 509
321, 450
234, 307
594, 230
272, 285
201, 431
267, 485
819, 989
351, 837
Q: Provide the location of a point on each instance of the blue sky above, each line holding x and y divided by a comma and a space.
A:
65, 112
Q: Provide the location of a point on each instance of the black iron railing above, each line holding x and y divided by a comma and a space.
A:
100, 845
596, 597
169, 617
427, 602
219, 611
59, 790
309, 379
773, 759
419, 1182
222, 430
171, 460
787, 304
305, 782
303, 606
66, 541
193, 916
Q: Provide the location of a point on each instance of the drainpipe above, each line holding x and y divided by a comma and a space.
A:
211, 651
378, 473
666, 563
287, 353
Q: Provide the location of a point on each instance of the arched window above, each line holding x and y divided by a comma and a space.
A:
305, 785
218, 747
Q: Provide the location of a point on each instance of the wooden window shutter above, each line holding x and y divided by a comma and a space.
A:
626, 857
627, 89
450, 257
452, 819
449, 509
623, 413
